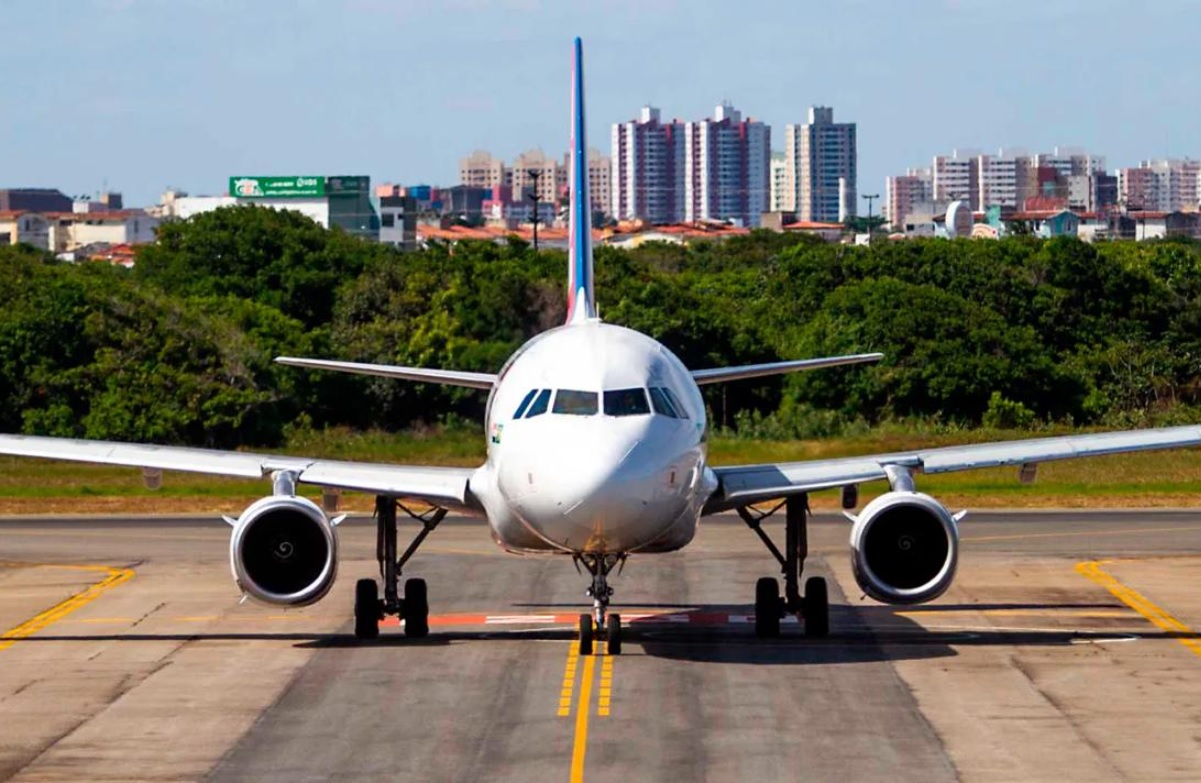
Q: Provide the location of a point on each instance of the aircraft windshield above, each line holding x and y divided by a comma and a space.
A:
626, 402
575, 403
541, 403
666, 403
525, 403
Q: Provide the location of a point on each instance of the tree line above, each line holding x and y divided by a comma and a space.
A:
1011, 333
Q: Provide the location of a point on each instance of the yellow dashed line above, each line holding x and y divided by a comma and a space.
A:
1154, 614
115, 576
573, 659
605, 695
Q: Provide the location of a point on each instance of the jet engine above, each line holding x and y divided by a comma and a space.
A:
284, 551
904, 548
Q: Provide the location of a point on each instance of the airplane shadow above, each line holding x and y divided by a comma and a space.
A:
860, 634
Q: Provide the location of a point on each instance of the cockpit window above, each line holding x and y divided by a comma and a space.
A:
575, 403
666, 403
541, 403
525, 403
626, 402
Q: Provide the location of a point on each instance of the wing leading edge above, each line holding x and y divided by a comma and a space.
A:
446, 487
743, 484
474, 380
719, 374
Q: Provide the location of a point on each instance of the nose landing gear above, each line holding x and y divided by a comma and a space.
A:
600, 624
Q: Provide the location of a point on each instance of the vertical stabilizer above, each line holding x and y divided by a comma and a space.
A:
581, 297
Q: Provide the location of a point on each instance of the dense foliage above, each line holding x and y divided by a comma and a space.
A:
1012, 333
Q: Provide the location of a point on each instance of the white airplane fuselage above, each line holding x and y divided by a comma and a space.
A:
582, 471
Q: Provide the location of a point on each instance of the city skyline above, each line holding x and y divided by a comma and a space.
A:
140, 95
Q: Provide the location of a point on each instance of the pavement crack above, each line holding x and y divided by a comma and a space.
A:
1062, 710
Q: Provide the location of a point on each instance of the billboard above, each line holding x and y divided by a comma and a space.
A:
277, 187
347, 184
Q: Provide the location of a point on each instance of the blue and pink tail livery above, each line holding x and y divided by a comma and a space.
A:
581, 296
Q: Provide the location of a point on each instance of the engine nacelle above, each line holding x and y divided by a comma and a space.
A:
284, 551
904, 548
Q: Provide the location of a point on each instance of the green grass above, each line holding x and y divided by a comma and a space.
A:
1157, 478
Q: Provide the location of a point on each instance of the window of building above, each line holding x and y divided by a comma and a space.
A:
626, 402
388, 220
575, 403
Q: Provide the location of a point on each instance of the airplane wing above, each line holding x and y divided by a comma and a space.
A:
447, 487
743, 484
719, 374
474, 380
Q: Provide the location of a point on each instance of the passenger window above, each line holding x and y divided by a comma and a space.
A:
575, 403
525, 403
666, 403
626, 402
541, 403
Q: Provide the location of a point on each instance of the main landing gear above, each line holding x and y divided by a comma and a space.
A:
600, 624
414, 607
814, 606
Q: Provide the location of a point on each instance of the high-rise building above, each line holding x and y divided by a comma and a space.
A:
954, 177
600, 180
778, 177
647, 177
481, 170
1161, 185
817, 155
904, 192
1003, 180
533, 173
726, 167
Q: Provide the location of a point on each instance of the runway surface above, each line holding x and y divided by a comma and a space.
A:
1064, 651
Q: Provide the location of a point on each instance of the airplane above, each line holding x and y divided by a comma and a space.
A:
597, 451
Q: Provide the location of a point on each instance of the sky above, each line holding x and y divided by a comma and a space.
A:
140, 95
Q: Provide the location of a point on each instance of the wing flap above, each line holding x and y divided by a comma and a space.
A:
743, 484
719, 374
474, 380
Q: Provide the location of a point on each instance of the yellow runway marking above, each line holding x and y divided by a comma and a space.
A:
573, 659
1089, 615
605, 695
115, 576
581, 721
1154, 614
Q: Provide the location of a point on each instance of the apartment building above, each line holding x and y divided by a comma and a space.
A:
954, 177
821, 167
726, 168
647, 175
903, 193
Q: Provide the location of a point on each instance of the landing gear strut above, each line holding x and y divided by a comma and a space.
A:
814, 606
600, 624
413, 608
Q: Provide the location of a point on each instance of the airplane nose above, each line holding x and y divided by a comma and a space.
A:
585, 496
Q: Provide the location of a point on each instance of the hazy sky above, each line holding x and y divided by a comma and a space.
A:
145, 94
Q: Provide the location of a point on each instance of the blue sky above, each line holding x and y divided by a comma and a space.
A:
143, 94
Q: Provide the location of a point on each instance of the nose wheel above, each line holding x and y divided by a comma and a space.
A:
600, 625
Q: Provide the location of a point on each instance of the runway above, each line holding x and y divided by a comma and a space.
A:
1065, 651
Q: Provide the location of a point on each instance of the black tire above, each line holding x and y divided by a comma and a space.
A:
416, 609
767, 608
586, 634
366, 609
815, 606
613, 634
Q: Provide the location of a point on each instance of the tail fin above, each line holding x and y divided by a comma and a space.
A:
581, 297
